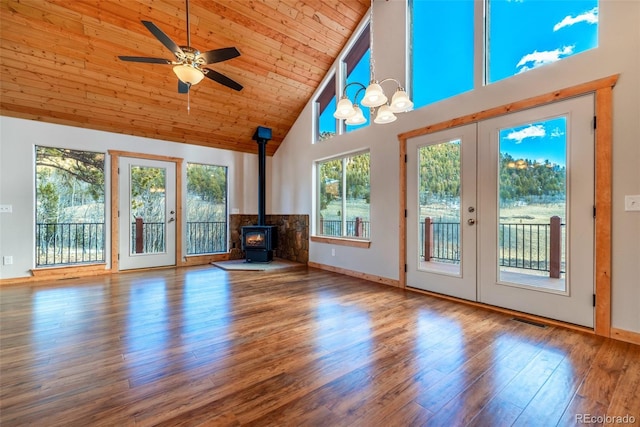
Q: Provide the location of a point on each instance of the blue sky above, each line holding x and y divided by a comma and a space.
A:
537, 142
522, 35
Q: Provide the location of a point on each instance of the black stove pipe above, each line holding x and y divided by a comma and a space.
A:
262, 136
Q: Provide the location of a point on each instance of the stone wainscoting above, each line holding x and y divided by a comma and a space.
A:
293, 235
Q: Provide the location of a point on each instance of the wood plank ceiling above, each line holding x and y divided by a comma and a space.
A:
59, 64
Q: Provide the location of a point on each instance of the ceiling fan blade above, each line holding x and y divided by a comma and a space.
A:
164, 39
219, 55
145, 59
222, 79
183, 87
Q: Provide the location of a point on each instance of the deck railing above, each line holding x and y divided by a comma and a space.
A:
355, 228
69, 243
77, 243
523, 246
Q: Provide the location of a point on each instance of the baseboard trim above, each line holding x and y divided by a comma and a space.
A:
58, 273
358, 274
515, 313
626, 336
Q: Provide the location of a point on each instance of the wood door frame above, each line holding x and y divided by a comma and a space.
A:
603, 90
115, 201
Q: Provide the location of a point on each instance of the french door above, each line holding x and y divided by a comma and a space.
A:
501, 211
147, 209
441, 214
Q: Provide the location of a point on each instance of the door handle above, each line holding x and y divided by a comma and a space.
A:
171, 220
471, 221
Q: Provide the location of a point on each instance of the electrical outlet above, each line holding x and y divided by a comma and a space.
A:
7, 260
632, 203
6, 208
333, 251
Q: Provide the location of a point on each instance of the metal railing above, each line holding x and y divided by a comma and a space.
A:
206, 237
69, 243
77, 243
525, 246
355, 228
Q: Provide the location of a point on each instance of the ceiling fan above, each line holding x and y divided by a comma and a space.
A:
189, 62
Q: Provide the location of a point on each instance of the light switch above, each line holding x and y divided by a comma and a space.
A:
632, 203
6, 208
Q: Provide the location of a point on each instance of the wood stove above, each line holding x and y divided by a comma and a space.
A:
259, 240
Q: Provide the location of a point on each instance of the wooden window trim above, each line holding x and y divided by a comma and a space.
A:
342, 241
603, 90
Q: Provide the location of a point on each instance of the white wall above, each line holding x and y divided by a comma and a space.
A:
618, 52
17, 177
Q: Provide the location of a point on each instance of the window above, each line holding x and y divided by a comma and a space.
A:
520, 35
325, 106
70, 215
547, 31
344, 196
442, 39
356, 65
206, 209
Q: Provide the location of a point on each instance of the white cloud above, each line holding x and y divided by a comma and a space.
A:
590, 17
556, 133
533, 131
536, 59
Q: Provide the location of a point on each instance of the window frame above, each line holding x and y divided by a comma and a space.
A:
343, 239
105, 224
481, 51
336, 79
226, 211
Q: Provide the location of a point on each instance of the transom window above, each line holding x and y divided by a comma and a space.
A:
519, 35
354, 67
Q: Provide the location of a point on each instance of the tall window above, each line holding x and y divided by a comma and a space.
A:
547, 31
356, 66
520, 35
344, 196
70, 213
442, 39
326, 106
206, 209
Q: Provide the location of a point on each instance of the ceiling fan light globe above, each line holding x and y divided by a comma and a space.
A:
188, 74
374, 96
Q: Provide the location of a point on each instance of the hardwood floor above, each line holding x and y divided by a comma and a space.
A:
203, 346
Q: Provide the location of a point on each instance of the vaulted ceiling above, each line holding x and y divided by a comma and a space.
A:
60, 64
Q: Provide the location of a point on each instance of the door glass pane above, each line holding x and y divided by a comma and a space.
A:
439, 207
148, 209
532, 204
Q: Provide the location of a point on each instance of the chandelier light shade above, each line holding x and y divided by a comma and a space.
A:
385, 115
358, 118
344, 109
188, 74
400, 101
374, 96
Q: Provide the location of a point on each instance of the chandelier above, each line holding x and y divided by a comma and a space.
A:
374, 96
